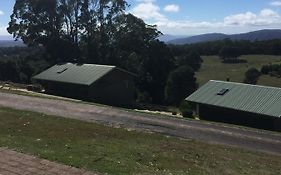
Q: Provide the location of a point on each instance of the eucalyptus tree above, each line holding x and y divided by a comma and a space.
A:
180, 83
60, 25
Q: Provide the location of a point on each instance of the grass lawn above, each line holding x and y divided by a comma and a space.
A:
213, 69
118, 151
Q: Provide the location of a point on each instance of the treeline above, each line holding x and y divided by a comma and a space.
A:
252, 75
272, 70
19, 64
100, 32
243, 47
8, 51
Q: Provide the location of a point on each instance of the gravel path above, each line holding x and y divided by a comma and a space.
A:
14, 163
252, 139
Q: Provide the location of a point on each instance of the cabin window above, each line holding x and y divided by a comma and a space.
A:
222, 92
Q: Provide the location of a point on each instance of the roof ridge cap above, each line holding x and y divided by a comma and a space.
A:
112, 66
244, 84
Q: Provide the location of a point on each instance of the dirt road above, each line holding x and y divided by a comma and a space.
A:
251, 139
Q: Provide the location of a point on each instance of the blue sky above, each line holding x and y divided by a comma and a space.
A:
6, 8
190, 17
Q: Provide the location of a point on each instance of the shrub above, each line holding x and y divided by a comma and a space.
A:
265, 69
273, 70
251, 76
186, 109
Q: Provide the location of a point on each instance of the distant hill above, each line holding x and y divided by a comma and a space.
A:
260, 35
6, 37
11, 43
166, 38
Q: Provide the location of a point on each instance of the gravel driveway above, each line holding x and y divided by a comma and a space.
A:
251, 139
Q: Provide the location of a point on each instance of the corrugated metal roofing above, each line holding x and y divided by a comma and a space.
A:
84, 74
243, 97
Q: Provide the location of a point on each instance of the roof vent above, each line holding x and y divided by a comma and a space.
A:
222, 92
61, 70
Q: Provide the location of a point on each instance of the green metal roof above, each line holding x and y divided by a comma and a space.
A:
243, 97
83, 74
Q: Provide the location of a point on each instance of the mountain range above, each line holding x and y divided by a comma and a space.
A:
260, 35
167, 38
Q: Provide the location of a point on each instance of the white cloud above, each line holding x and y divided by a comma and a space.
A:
3, 30
1, 12
147, 10
265, 17
187, 27
268, 13
243, 22
150, 12
172, 8
146, 1
276, 3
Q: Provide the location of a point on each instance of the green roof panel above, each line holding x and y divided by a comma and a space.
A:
243, 97
84, 74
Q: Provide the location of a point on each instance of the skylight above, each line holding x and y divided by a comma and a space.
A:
222, 92
61, 70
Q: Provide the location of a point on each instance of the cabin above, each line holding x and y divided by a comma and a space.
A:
237, 103
90, 82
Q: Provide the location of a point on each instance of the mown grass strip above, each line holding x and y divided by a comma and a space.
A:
118, 151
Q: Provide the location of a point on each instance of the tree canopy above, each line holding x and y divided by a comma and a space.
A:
269, 47
61, 25
192, 59
228, 52
181, 83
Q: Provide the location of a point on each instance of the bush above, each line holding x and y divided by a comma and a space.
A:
265, 69
251, 76
273, 70
186, 109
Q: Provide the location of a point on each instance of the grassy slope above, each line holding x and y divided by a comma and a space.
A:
117, 151
213, 69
